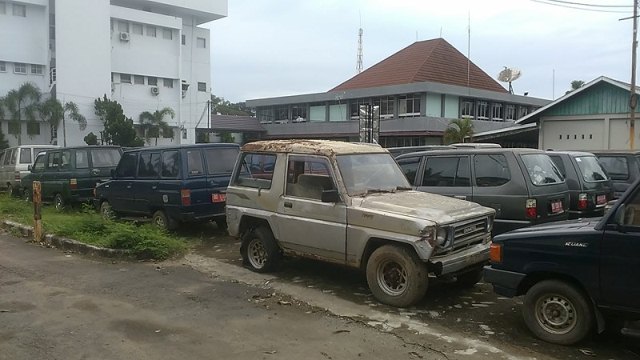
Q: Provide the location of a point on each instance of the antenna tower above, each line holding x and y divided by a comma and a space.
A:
359, 64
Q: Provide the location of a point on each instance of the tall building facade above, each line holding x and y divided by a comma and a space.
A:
147, 55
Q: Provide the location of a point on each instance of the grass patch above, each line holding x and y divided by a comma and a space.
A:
87, 226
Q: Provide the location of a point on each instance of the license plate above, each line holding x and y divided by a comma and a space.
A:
601, 199
556, 207
216, 198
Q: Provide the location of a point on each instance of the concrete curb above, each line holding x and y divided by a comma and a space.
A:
69, 244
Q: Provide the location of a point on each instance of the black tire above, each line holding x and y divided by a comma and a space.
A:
396, 276
161, 220
221, 223
558, 312
107, 211
27, 194
259, 250
469, 279
59, 202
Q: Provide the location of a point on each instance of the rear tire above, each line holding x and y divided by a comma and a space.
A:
27, 194
161, 220
396, 276
59, 202
558, 312
259, 250
107, 211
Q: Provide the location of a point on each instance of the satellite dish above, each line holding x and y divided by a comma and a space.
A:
509, 75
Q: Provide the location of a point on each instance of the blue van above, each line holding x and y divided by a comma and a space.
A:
170, 184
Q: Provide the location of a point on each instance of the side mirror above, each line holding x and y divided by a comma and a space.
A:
330, 196
30, 168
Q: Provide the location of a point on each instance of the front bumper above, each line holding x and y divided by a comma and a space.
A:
504, 282
457, 262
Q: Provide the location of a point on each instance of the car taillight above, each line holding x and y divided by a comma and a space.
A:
185, 197
17, 175
531, 208
218, 198
495, 253
73, 183
583, 201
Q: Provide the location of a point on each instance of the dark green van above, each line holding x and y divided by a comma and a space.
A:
70, 175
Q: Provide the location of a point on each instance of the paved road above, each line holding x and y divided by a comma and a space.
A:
63, 306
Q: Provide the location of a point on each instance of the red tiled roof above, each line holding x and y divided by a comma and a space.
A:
431, 60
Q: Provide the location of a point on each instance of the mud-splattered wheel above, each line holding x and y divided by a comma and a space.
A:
259, 250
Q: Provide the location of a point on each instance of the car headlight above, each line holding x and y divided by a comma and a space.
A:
489, 223
441, 236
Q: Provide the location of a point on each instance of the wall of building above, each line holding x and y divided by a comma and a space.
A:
594, 132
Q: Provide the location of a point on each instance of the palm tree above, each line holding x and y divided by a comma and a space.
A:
53, 111
153, 124
575, 85
21, 102
458, 130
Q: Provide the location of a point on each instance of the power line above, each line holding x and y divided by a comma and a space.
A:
590, 5
546, 2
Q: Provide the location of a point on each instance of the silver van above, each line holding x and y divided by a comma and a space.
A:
14, 165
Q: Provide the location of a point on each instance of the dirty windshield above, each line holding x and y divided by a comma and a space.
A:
366, 173
541, 169
591, 169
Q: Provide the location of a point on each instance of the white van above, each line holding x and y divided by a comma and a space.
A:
14, 164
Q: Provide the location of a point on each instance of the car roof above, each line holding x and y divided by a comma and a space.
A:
315, 147
87, 147
473, 151
570, 152
183, 146
615, 152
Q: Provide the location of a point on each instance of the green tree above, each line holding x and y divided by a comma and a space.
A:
224, 107
226, 137
91, 139
22, 104
118, 129
458, 130
575, 85
52, 111
3, 142
153, 124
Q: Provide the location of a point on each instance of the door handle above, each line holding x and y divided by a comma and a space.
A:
288, 205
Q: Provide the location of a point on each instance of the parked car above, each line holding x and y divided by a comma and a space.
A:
575, 275
623, 166
170, 184
397, 151
589, 185
476, 145
348, 203
14, 165
69, 175
522, 185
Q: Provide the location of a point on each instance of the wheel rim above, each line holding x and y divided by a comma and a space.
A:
392, 278
556, 314
106, 210
160, 222
257, 254
59, 203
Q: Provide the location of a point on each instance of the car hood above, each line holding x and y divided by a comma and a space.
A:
418, 204
553, 228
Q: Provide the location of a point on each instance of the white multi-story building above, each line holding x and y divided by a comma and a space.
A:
147, 55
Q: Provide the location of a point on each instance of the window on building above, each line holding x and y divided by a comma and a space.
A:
153, 81
280, 112
386, 105
151, 31
3, 66
19, 10
354, 108
264, 115
409, 105
125, 78
37, 69
467, 108
138, 79
299, 113
183, 39
184, 133
167, 83
483, 110
496, 111
523, 111
510, 112
202, 86
123, 26
20, 68
136, 28
3, 7
33, 128
167, 34
201, 42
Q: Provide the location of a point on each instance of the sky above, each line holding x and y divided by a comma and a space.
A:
271, 48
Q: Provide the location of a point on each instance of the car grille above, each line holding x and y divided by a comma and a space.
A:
467, 233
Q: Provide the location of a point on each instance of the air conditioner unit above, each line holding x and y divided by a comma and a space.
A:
124, 36
155, 90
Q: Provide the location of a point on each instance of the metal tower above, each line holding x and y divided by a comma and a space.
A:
359, 64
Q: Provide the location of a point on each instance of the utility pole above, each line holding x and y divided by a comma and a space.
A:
633, 100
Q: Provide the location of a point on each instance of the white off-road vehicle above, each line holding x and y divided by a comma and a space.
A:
350, 204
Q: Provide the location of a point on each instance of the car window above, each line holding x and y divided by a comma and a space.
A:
616, 166
541, 169
40, 163
557, 160
53, 160
631, 216
2, 157
171, 164
25, 156
105, 157
195, 165
409, 167
37, 151
149, 165
308, 177
491, 170
366, 173
82, 159
127, 166
221, 160
255, 170
12, 159
8, 156
65, 160
591, 169
446, 171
